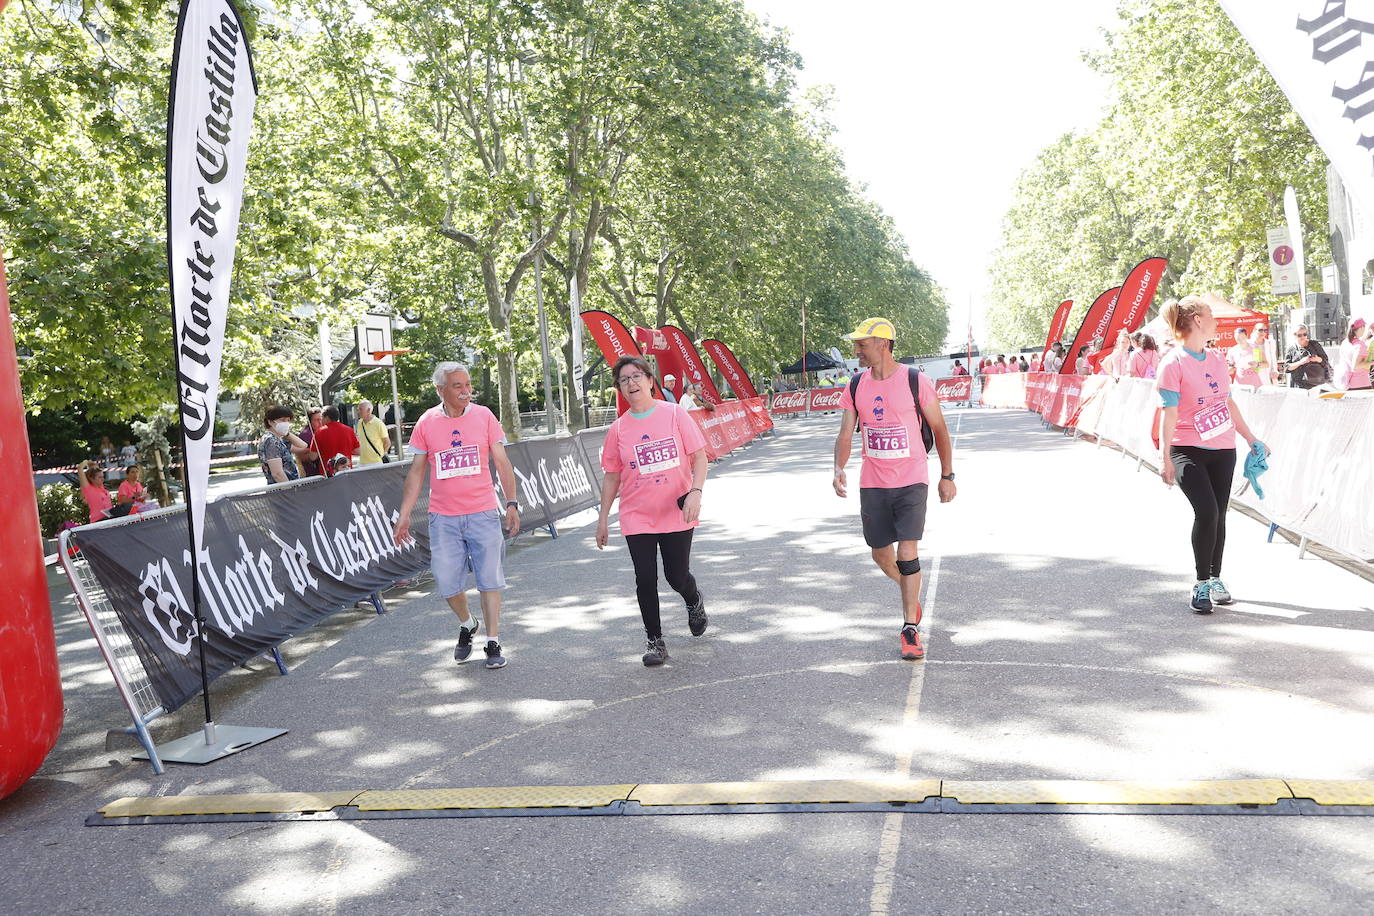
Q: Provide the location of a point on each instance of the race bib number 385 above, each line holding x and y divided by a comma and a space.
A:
460, 461
886, 442
657, 455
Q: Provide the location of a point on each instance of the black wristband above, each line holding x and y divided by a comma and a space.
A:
510, 503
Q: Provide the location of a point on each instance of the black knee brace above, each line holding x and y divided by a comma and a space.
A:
909, 567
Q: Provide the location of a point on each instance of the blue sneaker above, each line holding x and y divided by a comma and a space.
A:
1217, 591
494, 657
463, 650
1202, 602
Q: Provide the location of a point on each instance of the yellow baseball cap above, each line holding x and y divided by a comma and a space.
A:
874, 327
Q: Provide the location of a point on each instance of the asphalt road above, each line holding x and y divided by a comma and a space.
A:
1060, 646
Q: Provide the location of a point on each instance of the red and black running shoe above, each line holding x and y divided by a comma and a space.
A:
912, 650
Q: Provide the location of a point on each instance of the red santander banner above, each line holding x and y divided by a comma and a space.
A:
614, 342
1136, 295
956, 388
1057, 323
693, 369
1094, 325
729, 367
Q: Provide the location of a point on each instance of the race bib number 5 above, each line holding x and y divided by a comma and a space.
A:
657, 455
460, 461
1211, 422
886, 442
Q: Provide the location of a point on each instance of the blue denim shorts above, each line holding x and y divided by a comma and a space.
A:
458, 543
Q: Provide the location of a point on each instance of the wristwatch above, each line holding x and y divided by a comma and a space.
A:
949, 476
512, 504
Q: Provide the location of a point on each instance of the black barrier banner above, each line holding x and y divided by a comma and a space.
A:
591, 441
273, 562
553, 479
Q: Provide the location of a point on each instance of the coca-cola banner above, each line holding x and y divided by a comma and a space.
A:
272, 563
785, 402
826, 398
955, 388
730, 368
692, 368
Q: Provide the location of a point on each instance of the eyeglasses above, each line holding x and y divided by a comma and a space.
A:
636, 377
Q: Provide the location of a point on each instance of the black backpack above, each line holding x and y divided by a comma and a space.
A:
913, 377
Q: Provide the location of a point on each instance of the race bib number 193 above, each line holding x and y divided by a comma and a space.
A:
1211, 422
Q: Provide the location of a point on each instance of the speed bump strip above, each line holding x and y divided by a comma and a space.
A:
1088, 792
263, 803
1334, 791
494, 798
798, 792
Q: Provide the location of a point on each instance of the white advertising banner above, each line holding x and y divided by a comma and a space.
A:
1283, 262
210, 110
1322, 57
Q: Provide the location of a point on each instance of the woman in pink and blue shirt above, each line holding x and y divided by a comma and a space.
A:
654, 457
1198, 438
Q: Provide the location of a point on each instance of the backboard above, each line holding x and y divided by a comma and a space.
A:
373, 335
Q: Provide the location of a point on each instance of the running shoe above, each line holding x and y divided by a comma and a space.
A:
696, 616
1218, 592
1202, 604
912, 650
494, 657
463, 650
656, 653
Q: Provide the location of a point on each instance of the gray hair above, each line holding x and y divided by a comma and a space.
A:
365, 403
443, 371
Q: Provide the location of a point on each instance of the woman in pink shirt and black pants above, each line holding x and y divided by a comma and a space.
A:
1198, 438
655, 460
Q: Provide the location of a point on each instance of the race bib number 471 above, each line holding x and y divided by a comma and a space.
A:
887, 442
657, 455
460, 461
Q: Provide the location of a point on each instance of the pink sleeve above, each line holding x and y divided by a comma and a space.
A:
692, 439
1171, 376
610, 450
417, 437
847, 402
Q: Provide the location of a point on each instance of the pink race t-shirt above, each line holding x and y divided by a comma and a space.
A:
1351, 352
134, 491
1203, 387
1143, 364
653, 456
894, 455
458, 450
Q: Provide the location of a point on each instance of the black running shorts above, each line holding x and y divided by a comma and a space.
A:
893, 514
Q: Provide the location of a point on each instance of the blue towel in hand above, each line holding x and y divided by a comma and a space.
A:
1256, 463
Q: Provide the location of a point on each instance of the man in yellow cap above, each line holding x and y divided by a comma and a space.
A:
890, 403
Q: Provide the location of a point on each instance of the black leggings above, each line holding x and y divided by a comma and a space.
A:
1204, 475
677, 554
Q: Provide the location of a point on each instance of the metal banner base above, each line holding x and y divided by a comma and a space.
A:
213, 742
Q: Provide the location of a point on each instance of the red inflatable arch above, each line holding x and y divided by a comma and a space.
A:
30, 690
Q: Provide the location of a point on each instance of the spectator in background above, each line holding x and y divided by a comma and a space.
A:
1306, 362
1117, 362
93, 491
999, 367
1266, 360
132, 493
695, 399
1081, 365
371, 433
309, 459
1352, 364
1242, 359
1024, 366
1012, 365
959, 368
334, 440
1036, 364
128, 455
1144, 362
667, 389
1054, 361
278, 445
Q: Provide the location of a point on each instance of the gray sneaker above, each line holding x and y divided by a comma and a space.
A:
463, 650
656, 653
696, 616
494, 657
1218, 592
